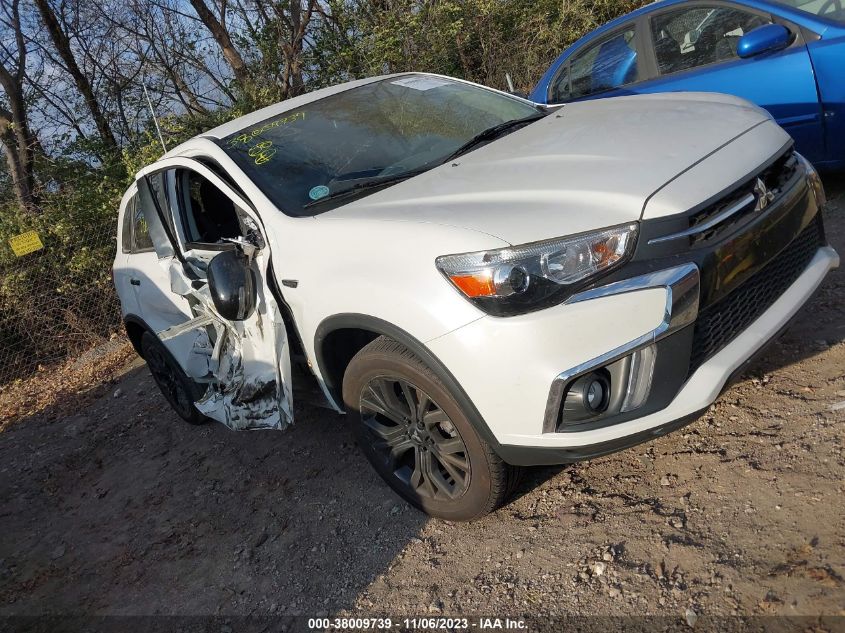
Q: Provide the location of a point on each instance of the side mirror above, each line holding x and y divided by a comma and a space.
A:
231, 283
763, 39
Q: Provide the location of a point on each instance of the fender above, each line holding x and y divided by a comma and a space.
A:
384, 328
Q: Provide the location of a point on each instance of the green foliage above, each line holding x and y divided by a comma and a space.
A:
479, 40
57, 300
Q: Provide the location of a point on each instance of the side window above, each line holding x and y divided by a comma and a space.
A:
208, 215
612, 63
135, 232
141, 240
687, 38
559, 90
126, 226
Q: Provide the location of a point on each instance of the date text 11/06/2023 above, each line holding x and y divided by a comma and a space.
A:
418, 624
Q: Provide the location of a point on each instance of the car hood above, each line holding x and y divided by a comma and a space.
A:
584, 166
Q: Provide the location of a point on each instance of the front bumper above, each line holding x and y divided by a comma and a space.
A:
513, 369
516, 421
699, 392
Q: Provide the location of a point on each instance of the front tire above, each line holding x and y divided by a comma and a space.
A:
418, 438
175, 385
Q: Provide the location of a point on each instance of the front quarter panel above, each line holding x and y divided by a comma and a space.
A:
383, 269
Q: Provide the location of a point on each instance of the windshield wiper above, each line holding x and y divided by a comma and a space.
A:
369, 183
492, 133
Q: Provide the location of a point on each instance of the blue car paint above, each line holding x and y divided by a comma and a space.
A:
764, 38
803, 87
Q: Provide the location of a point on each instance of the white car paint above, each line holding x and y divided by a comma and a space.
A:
578, 169
588, 166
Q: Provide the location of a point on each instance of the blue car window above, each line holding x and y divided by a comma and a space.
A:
697, 36
559, 90
609, 64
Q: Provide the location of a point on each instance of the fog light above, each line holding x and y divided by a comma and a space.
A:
639, 378
587, 397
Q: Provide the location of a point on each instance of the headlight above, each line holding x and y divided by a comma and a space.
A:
518, 279
814, 181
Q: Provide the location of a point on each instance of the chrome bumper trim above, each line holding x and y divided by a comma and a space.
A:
715, 220
682, 285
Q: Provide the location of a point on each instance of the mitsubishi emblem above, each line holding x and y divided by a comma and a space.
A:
763, 194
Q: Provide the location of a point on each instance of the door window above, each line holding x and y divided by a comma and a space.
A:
700, 35
610, 64
208, 214
152, 206
559, 90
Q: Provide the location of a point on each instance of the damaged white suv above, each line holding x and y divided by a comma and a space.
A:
480, 282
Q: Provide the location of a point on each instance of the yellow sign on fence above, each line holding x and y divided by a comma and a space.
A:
25, 243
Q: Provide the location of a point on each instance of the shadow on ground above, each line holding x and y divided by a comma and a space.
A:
125, 509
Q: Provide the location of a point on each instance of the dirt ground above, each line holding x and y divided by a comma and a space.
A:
122, 509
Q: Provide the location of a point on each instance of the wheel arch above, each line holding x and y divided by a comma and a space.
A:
350, 332
135, 327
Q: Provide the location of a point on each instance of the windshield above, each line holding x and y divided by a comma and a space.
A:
378, 131
830, 9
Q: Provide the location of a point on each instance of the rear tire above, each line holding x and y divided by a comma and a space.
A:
176, 386
418, 438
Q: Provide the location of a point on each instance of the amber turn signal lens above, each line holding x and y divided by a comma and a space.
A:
478, 285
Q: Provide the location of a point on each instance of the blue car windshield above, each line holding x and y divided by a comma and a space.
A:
830, 9
313, 158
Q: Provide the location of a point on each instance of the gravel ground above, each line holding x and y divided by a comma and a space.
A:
122, 509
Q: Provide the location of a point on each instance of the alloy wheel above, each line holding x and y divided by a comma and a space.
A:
415, 438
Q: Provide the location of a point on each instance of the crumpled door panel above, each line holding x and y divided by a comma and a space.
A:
246, 364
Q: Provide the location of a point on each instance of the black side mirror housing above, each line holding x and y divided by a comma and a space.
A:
763, 39
231, 283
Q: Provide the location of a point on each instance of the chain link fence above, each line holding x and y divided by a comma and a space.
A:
57, 301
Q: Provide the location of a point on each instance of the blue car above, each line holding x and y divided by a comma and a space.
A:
787, 56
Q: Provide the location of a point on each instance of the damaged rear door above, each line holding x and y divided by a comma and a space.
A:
245, 362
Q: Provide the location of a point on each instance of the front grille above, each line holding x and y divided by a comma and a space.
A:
775, 177
721, 322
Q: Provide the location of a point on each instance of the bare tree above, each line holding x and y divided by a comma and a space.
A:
281, 31
217, 28
297, 21
59, 34
19, 143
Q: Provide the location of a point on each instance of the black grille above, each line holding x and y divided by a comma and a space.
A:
776, 176
720, 323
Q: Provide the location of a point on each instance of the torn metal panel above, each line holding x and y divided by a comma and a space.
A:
246, 364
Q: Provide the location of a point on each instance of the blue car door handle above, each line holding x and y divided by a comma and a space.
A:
804, 118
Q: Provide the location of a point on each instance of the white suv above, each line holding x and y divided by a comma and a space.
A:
482, 283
